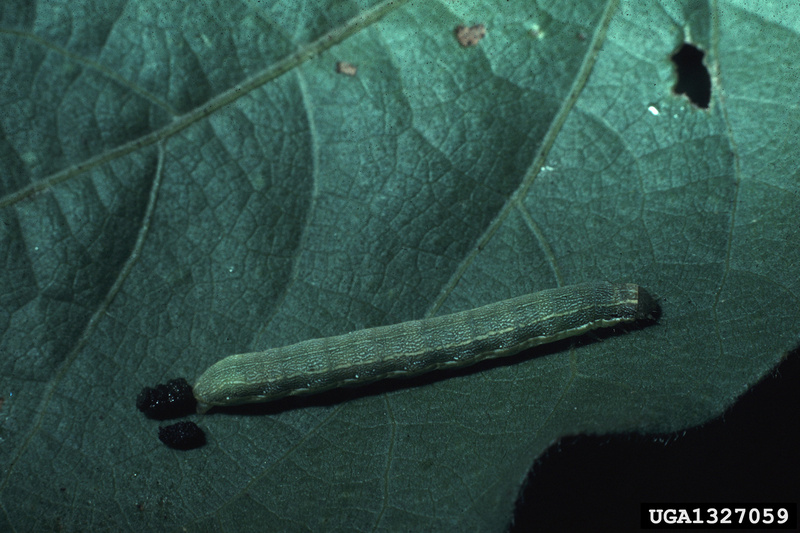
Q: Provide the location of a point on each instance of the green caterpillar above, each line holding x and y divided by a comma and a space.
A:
418, 346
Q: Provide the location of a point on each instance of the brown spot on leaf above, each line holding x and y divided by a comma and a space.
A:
470, 36
343, 67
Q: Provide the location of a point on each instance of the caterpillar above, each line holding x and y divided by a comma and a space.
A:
411, 348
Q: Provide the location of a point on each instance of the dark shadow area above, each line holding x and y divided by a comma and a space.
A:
747, 455
693, 78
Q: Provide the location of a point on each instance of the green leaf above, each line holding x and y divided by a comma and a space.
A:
184, 181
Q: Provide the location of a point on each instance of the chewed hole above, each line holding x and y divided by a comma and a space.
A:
693, 78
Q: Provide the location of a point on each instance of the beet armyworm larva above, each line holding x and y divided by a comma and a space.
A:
418, 346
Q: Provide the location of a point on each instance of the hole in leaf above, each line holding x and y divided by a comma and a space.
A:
693, 78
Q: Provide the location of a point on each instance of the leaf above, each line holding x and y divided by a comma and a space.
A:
185, 181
